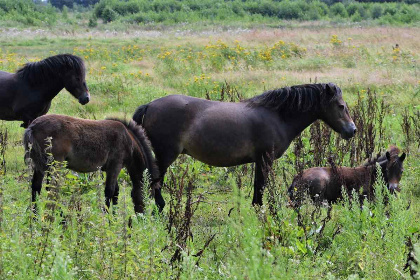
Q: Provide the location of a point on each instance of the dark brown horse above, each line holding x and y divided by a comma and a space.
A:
257, 130
327, 182
27, 94
87, 145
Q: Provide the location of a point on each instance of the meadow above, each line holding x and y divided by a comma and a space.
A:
209, 230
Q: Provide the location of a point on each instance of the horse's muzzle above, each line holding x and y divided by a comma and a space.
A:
393, 187
84, 99
349, 131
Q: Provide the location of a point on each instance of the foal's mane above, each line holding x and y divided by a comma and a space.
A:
144, 144
300, 98
394, 151
50, 68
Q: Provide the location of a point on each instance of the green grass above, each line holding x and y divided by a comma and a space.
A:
125, 71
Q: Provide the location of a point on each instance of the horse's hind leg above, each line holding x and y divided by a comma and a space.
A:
137, 192
164, 160
36, 186
111, 182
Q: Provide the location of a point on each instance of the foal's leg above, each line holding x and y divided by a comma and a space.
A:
36, 186
136, 176
116, 193
111, 181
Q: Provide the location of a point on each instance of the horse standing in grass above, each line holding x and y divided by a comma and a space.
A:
27, 94
327, 182
257, 130
87, 145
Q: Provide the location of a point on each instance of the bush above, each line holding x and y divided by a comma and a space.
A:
93, 21
289, 10
356, 17
339, 10
109, 14
376, 11
352, 8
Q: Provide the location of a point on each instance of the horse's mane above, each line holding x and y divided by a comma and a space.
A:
144, 144
50, 68
393, 150
300, 98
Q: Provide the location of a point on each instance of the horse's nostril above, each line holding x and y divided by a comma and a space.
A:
354, 131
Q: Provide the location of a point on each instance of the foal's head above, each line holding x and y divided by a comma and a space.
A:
394, 170
335, 112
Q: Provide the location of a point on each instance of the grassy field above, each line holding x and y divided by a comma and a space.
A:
222, 236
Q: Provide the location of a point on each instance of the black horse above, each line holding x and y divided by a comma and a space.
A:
257, 130
27, 94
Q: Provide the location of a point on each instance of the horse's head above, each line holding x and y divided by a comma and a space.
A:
335, 112
75, 82
394, 170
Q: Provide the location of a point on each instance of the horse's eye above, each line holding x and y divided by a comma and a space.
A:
341, 106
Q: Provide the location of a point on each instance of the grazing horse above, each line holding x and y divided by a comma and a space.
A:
27, 94
87, 145
326, 182
257, 130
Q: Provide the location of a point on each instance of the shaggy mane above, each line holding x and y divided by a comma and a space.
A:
301, 98
49, 68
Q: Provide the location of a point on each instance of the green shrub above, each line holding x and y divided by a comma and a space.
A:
376, 11
108, 14
356, 17
352, 8
289, 10
93, 21
338, 10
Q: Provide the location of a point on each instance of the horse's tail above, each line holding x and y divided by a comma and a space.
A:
146, 149
33, 150
139, 114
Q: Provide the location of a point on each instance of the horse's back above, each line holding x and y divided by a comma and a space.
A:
315, 181
214, 132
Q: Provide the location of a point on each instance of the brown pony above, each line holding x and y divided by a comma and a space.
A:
87, 145
326, 182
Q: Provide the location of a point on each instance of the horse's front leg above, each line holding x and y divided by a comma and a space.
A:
259, 182
262, 169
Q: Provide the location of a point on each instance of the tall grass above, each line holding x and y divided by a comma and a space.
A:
209, 228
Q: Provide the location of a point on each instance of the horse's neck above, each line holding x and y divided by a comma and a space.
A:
48, 89
297, 123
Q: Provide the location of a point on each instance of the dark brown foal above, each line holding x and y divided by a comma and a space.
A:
87, 145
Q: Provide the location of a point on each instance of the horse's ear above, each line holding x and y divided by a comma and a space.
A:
402, 157
330, 89
388, 156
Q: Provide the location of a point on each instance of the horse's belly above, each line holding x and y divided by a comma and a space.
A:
85, 164
221, 158
7, 114
83, 167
